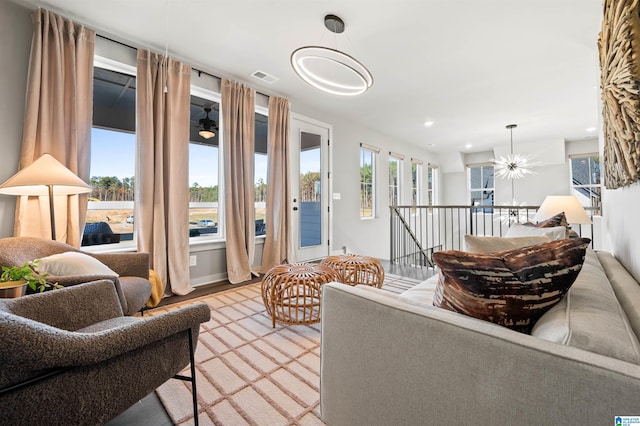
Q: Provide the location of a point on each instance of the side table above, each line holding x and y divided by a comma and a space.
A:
357, 270
291, 292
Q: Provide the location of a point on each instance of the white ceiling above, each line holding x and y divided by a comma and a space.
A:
471, 66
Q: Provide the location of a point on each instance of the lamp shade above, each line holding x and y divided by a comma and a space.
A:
46, 171
569, 204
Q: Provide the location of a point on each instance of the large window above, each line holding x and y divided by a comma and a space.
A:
481, 184
204, 170
585, 181
432, 184
395, 179
367, 183
110, 214
260, 171
416, 182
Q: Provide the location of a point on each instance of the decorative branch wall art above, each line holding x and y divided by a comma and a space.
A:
619, 46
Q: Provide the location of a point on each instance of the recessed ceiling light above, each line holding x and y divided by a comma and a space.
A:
428, 123
590, 129
468, 145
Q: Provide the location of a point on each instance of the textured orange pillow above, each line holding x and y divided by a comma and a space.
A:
512, 288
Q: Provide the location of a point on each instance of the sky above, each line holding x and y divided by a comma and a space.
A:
113, 154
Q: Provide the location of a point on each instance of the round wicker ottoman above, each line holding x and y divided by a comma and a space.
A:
291, 293
356, 270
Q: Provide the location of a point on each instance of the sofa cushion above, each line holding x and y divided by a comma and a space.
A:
478, 244
626, 288
520, 230
512, 288
421, 294
72, 263
590, 317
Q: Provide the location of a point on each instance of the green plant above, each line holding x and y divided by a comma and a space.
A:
28, 272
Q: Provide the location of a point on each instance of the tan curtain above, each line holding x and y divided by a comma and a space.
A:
57, 120
238, 106
277, 245
162, 167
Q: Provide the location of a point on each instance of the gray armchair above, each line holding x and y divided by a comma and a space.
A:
132, 286
70, 356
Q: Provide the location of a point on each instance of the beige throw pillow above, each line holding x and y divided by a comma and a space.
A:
520, 230
478, 244
73, 263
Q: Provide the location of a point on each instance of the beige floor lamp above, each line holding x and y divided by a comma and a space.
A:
45, 176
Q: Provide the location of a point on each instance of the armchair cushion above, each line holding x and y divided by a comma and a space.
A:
73, 263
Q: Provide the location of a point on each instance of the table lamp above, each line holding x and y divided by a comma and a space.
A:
569, 204
45, 176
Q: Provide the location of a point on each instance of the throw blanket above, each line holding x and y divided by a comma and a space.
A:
157, 289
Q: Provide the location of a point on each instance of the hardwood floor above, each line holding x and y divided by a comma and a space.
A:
150, 411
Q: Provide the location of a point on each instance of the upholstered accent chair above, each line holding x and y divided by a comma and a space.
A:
132, 283
70, 356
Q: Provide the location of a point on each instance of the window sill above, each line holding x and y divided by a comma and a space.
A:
195, 245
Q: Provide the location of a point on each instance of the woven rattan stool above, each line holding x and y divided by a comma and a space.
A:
355, 270
291, 293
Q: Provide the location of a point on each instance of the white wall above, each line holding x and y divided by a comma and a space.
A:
364, 236
15, 33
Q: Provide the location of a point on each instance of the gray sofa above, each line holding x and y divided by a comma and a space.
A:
395, 359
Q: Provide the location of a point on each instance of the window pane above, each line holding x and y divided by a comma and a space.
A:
475, 177
394, 183
366, 183
595, 170
260, 172
110, 215
310, 190
204, 218
580, 171
487, 177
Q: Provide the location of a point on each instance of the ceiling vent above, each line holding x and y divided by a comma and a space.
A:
261, 75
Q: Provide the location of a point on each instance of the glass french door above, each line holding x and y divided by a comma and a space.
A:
310, 190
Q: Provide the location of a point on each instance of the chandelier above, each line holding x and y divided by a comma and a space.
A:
331, 70
513, 166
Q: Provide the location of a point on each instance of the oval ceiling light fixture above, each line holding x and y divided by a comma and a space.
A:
331, 70
428, 123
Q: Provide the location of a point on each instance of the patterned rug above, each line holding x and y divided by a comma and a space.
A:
249, 373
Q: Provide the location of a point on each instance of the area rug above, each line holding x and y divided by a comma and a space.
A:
249, 373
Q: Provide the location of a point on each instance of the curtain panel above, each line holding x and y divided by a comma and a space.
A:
238, 123
162, 167
277, 245
57, 120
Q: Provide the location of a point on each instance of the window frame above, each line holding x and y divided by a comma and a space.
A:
363, 149
127, 245
398, 187
597, 209
432, 184
416, 182
471, 189
210, 95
